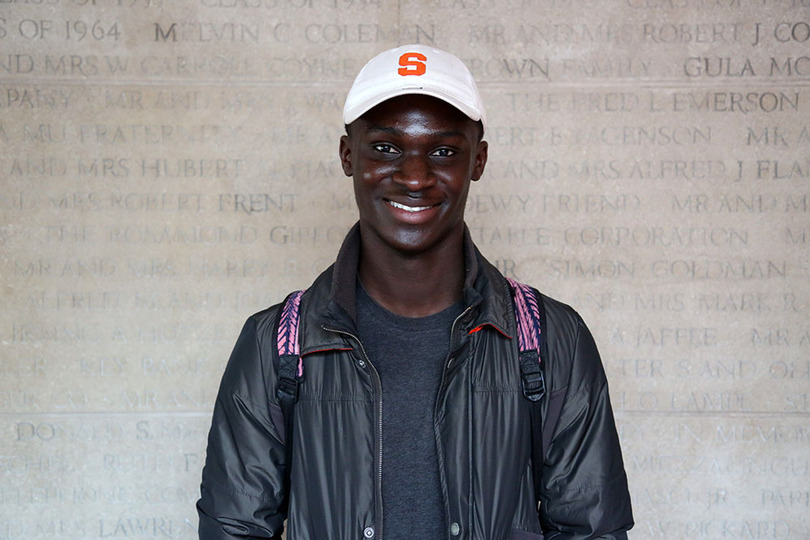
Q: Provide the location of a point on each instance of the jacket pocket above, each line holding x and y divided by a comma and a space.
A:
524, 535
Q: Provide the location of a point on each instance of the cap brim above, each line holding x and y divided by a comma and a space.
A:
362, 107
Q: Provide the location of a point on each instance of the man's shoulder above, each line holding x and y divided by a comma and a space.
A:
563, 324
264, 321
557, 313
560, 314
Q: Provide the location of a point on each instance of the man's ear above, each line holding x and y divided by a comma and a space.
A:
345, 151
481, 154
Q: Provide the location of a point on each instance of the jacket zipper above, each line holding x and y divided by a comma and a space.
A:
378, 384
453, 333
448, 365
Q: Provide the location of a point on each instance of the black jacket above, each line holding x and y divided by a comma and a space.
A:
481, 423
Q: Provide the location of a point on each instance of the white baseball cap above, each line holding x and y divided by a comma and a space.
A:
414, 69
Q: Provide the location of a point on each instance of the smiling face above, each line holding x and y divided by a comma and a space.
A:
412, 159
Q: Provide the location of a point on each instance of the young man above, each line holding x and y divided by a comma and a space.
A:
411, 422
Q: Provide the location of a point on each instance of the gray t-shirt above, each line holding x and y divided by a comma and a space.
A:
409, 355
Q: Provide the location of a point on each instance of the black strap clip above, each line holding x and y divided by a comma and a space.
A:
531, 376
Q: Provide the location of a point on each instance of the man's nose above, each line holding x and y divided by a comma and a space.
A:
415, 173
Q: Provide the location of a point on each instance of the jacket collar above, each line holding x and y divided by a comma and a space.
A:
329, 306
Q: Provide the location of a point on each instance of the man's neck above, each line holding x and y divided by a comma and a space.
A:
413, 286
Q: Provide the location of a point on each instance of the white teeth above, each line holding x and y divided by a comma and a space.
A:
408, 208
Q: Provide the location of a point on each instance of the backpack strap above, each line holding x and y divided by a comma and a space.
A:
527, 316
530, 316
290, 370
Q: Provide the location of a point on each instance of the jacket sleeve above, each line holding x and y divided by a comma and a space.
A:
242, 494
585, 493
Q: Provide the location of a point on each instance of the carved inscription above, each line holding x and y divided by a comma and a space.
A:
169, 168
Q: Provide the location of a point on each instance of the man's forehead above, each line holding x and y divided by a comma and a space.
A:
402, 131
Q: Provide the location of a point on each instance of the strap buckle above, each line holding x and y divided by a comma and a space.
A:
534, 386
531, 376
288, 388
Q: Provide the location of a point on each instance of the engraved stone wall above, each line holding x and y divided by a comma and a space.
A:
168, 168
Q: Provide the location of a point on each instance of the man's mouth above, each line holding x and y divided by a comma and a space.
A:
412, 209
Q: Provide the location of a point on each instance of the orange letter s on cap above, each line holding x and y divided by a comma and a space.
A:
412, 64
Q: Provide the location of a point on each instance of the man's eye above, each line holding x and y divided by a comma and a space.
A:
385, 148
444, 152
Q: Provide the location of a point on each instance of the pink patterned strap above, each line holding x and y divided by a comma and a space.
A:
288, 329
527, 314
